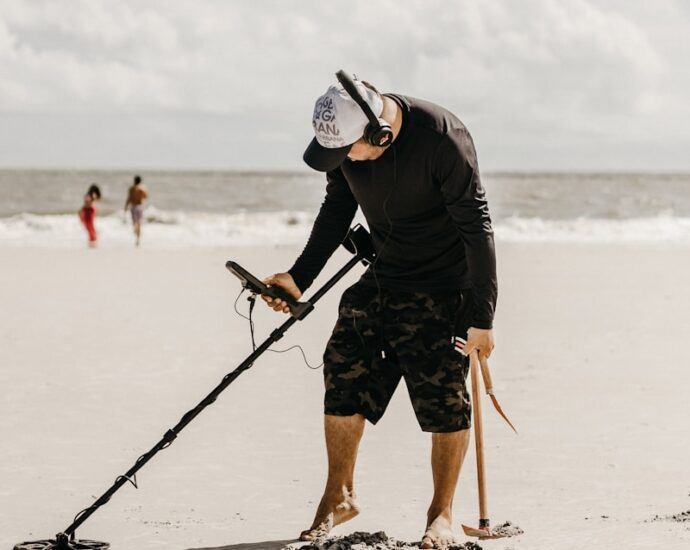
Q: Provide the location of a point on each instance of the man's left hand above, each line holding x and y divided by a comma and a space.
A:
480, 340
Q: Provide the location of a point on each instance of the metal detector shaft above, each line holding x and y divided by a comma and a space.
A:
172, 433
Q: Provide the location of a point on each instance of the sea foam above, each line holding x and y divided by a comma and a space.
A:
658, 229
168, 229
161, 229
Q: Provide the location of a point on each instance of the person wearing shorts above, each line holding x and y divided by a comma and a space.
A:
137, 211
136, 195
384, 336
431, 289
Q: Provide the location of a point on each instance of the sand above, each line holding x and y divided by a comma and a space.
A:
102, 351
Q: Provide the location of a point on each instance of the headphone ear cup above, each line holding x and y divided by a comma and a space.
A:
379, 136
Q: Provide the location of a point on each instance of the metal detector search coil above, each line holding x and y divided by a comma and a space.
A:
53, 544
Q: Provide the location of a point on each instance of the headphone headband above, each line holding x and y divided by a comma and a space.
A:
348, 83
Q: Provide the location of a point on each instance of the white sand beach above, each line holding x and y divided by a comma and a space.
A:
101, 351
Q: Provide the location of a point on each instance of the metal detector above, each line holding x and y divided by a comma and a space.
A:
357, 241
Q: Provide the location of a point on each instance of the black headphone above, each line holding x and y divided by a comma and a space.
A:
378, 132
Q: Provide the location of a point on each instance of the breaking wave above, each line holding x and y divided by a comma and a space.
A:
161, 229
165, 229
657, 229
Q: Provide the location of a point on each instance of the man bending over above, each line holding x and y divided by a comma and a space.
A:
411, 167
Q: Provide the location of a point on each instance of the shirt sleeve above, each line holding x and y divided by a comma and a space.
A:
457, 172
330, 227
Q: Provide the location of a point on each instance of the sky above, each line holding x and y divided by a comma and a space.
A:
547, 85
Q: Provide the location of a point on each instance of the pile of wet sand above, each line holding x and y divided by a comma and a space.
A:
380, 541
372, 541
507, 529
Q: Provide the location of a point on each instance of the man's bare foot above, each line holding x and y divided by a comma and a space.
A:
329, 514
439, 533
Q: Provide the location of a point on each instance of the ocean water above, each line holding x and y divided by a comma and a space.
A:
220, 209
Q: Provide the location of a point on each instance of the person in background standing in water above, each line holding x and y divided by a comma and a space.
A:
136, 196
87, 213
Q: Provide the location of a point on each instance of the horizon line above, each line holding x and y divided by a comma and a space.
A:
306, 171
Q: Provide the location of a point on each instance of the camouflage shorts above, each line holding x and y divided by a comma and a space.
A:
384, 335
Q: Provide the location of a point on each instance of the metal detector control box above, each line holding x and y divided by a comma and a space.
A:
256, 286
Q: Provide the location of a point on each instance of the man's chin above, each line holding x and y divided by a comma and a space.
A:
371, 157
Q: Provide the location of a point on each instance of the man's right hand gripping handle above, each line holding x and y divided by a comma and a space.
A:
287, 283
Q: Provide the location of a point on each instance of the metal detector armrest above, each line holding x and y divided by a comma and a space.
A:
254, 285
358, 242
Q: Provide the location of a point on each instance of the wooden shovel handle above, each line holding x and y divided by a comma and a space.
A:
478, 436
486, 375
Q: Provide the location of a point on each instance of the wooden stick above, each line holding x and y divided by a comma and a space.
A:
486, 375
479, 441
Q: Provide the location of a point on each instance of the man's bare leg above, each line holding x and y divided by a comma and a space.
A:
338, 504
447, 454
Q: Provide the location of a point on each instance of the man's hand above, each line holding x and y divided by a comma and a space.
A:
287, 283
480, 340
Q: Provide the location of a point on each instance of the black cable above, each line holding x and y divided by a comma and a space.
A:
388, 219
304, 355
252, 302
379, 290
235, 305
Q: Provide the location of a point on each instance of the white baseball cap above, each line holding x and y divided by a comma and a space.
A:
338, 122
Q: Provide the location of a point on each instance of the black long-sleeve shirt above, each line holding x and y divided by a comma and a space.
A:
425, 208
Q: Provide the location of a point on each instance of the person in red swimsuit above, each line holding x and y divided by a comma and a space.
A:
87, 214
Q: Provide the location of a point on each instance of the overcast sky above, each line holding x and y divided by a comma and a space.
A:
542, 84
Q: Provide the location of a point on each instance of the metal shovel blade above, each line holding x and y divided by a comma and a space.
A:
481, 534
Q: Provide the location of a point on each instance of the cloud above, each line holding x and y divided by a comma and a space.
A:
75, 56
536, 70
